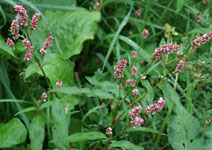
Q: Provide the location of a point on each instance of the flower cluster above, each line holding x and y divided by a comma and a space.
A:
134, 54
162, 51
28, 56
22, 15
205, 2
154, 108
207, 121
59, 84
120, 86
34, 22
201, 40
134, 70
15, 29
119, 68
145, 33
96, 5
136, 120
27, 45
198, 18
46, 45
44, 96
109, 131
138, 12
179, 67
135, 92
131, 81
10, 42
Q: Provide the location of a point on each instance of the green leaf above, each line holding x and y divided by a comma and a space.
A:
126, 145
184, 131
12, 133
150, 95
71, 29
60, 121
14, 101
28, 109
37, 133
46, 104
208, 134
4, 48
180, 4
82, 137
142, 129
115, 38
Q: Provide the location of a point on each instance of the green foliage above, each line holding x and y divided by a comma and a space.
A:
37, 133
126, 145
12, 133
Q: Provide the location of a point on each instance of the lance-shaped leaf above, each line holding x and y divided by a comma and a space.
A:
126, 145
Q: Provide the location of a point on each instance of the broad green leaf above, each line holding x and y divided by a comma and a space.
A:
71, 29
200, 30
180, 4
37, 133
126, 145
60, 121
82, 137
184, 132
142, 129
102, 94
28, 109
208, 134
150, 93
12, 133
46, 104
55, 2
4, 48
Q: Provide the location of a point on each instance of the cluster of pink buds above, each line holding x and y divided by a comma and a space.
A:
120, 86
44, 96
131, 81
96, 5
135, 92
119, 68
145, 33
109, 131
201, 40
207, 121
15, 29
205, 2
46, 45
154, 108
162, 51
22, 15
103, 106
134, 54
10, 42
34, 22
138, 12
134, 70
135, 112
28, 56
179, 67
136, 120
198, 18
59, 84
27, 45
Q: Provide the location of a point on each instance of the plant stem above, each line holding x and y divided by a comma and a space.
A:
167, 116
100, 7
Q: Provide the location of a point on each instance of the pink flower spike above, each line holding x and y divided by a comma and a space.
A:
134, 54
154, 108
201, 40
27, 45
131, 81
34, 22
22, 14
135, 92
207, 121
179, 68
43, 51
39, 102
44, 96
134, 112
119, 68
138, 12
59, 84
205, 2
48, 42
15, 29
28, 56
96, 5
198, 19
137, 121
145, 33
134, 70
109, 131
10, 42
120, 86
